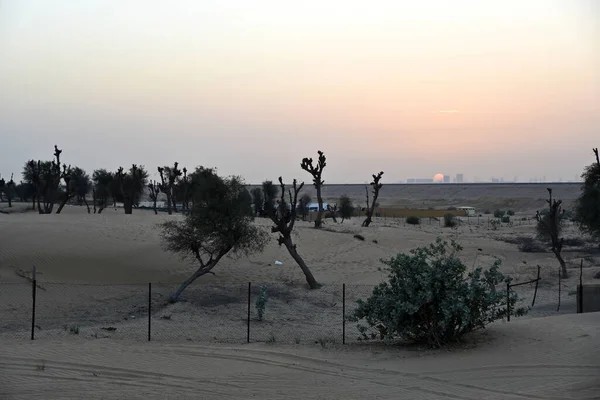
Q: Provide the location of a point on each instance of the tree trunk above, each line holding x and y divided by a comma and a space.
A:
33, 202
87, 205
319, 221
175, 296
128, 206
154, 200
169, 210
310, 279
63, 203
563, 264
367, 221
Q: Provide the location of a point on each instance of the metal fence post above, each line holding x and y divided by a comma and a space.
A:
580, 289
34, 290
343, 313
248, 326
559, 283
149, 311
508, 301
537, 281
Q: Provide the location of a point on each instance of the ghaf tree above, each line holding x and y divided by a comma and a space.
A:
219, 224
376, 187
131, 185
283, 215
316, 171
169, 177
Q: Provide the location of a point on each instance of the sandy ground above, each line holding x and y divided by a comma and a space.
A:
546, 358
93, 274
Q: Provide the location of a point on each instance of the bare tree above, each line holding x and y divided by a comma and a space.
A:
218, 225
332, 211
168, 178
283, 215
154, 188
316, 172
549, 227
376, 187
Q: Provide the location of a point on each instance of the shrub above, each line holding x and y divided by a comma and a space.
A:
261, 302
499, 214
449, 220
530, 245
429, 298
505, 219
510, 213
413, 220
359, 237
494, 224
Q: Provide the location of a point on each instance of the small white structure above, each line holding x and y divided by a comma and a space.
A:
314, 207
469, 211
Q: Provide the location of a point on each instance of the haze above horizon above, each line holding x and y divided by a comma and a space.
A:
487, 89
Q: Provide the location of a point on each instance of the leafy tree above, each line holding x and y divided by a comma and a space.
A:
549, 227
303, 206
283, 215
102, 189
587, 207
219, 224
499, 214
258, 201
346, 207
77, 184
45, 176
24, 191
8, 188
316, 172
131, 186
412, 220
376, 187
449, 220
430, 298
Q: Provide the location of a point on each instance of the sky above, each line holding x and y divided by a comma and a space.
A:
485, 88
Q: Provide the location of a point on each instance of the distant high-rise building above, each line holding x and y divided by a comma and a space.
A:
446, 178
459, 178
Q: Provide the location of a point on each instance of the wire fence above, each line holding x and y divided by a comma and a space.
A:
219, 313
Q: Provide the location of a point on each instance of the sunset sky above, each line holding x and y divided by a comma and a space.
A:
413, 88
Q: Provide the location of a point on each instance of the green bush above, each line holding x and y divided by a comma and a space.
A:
510, 213
429, 298
413, 220
505, 219
449, 220
261, 302
499, 214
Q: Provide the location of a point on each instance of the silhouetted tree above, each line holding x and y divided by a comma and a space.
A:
45, 176
258, 201
101, 191
283, 215
316, 172
587, 207
346, 207
376, 187
549, 227
77, 184
303, 206
332, 212
131, 186
8, 188
24, 191
168, 178
219, 224
154, 188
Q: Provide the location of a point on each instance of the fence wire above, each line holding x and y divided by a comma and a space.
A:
208, 313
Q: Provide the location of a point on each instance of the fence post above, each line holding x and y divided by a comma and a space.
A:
559, 283
343, 313
248, 326
149, 311
536, 286
33, 293
508, 301
580, 289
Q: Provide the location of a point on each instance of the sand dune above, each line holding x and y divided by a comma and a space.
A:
548, 358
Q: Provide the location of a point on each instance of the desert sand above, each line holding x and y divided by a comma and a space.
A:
93, 273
